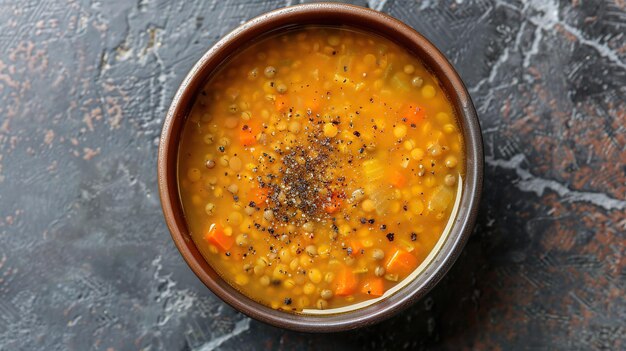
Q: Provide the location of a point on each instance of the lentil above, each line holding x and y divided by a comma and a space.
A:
326, 294
330, 130
378, 254
417, 82
379, 271
269, 72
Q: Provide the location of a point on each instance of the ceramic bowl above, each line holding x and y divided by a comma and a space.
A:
324, 14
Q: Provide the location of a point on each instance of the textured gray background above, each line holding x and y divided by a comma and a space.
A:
86, 261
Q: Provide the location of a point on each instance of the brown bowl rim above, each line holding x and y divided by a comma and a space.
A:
323, 14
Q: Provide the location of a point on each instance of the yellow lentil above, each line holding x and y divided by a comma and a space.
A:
330, 130
428, 91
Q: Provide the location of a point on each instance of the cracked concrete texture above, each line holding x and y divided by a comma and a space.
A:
86, 261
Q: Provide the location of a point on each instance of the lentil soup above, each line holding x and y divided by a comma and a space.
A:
319, 168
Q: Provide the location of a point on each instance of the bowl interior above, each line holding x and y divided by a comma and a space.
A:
323, 14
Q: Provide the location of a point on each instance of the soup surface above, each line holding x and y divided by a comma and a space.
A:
319, 167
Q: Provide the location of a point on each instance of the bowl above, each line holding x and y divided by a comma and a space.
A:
442, 257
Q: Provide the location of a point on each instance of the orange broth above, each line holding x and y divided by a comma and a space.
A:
319, 167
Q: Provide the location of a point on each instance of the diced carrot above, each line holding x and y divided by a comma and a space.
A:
400, 262
259, 195
373, 287
356, 247
246, 137
413, 114
397, 179
332, 207
217, 237
336, 199
248, 132
281, 103
346, 282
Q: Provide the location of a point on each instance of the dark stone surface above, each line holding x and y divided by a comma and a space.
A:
86, 261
